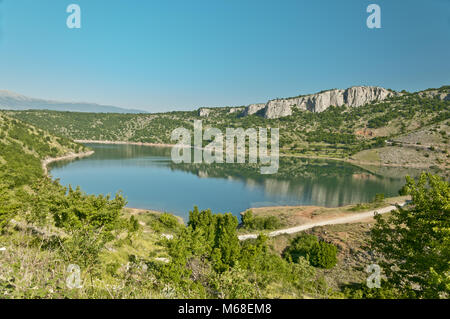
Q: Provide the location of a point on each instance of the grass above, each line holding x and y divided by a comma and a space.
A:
28, 266
147, 242
371, 156
350, 240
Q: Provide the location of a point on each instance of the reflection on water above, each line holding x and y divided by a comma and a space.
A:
149, 179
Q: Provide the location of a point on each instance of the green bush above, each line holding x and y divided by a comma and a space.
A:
168, 220
251, 222
379, 198
248, 220
323, 255
301, 246
413, 242
318, 253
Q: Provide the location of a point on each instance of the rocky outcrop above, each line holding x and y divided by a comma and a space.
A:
361, 95
443, 96
204, 112
236, 109
319, 102
353, 97
253, 109
278, 108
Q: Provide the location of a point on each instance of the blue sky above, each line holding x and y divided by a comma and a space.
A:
184, 54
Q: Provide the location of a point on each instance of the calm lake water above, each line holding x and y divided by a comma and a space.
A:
149, 179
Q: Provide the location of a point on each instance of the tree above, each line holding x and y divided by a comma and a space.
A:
8, 208
253, 253
414, 243
204, 222
226, 248
248, 220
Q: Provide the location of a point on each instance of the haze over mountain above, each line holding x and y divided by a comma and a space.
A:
14, 101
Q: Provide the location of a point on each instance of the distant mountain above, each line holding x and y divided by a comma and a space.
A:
13, 101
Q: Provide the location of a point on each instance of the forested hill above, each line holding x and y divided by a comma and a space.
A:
338, 132
23, 147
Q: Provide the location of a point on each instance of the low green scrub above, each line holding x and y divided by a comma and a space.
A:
319, 253
252, 222
376, 202
164, 222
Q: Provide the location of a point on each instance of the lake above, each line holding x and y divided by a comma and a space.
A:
149, 179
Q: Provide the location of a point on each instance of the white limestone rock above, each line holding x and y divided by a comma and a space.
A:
253, 108
319, 102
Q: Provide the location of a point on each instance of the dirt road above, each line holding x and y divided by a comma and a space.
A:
332, 221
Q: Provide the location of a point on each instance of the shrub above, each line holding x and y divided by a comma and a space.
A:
379, 198
271, 222
301, 246
323, 255
168, 220
248, 220
318, 253
251, 222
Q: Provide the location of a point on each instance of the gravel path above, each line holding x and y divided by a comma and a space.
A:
331, 221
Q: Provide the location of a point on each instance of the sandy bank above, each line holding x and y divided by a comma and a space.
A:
61, 158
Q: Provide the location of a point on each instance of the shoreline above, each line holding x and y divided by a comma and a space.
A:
342, 219
346, 160
49, 160
123, 143
357, 162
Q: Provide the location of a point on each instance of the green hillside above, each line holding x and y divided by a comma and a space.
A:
46, 229
121, 253
338, 132
23, 147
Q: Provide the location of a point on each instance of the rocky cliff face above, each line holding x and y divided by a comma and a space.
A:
253, 109
235, 110
319, 102
442, 95
204, 112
